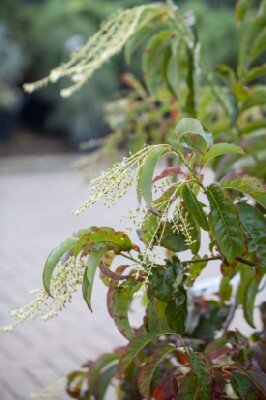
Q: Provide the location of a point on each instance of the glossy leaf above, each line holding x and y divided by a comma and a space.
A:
147, 170
194, 207
249, 185
53, 259
225, 224
221, 148
146, 371
243, 387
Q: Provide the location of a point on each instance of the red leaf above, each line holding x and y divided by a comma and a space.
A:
212, 355
170, 171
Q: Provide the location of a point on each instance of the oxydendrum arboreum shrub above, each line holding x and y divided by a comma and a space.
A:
184, 348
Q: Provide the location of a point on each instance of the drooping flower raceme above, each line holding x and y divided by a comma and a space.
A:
103, 45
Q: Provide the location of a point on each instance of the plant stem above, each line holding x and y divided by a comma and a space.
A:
201, 260
243, 261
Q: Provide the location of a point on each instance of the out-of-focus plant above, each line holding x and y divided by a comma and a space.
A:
231, 103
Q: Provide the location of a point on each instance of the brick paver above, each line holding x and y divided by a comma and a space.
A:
37, 197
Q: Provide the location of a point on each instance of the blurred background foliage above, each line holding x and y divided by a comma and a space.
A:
38, 35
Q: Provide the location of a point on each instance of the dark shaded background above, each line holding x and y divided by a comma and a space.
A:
37, 35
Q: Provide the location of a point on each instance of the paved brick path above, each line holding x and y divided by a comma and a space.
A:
37, 196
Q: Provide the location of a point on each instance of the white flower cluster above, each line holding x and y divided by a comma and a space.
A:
64, 283
53, 391
103, 45
113, 183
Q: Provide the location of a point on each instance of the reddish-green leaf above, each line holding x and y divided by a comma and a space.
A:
136, 344
118, 302
146, 371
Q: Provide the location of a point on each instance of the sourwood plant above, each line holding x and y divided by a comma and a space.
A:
184, 348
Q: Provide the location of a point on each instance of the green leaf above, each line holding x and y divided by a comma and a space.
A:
176, 311
254, 73
194, 206
248, 305
242, 8
162, 281
136, 344
249, 185
194, 232
192, 126
156, 319
225, 224
105, 238
256, 97
53, 259
146, 371
154, 60
243, 386
221, 148
147, 170
258, 46
103, 383
225, 289
195, 270
197, 383
254, 224
99, 365
89, 273
118, 302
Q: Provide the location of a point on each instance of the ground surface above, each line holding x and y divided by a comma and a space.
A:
37, 195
